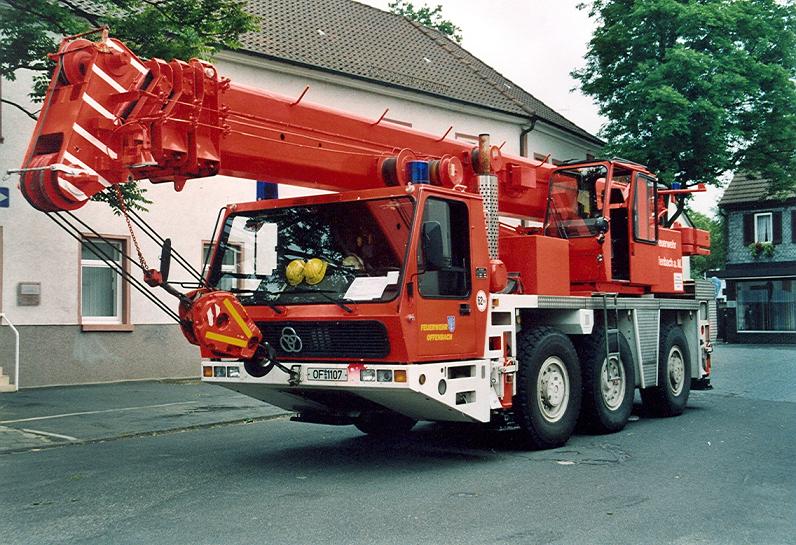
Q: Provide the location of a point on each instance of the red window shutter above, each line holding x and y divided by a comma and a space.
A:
748, 229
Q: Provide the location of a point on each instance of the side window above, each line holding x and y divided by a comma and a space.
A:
645, 225
101, 294
444, 252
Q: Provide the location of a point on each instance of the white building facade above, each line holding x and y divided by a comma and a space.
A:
79, 323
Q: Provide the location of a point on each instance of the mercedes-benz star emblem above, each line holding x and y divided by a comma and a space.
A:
290, 341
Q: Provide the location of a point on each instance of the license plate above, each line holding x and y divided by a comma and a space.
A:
327, 374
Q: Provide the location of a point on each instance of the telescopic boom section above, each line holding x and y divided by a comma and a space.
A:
110, 117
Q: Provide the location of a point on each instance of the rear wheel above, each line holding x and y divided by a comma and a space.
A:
548, 387
670, 396
608, 383
383, 424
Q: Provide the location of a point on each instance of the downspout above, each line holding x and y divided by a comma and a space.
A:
524, 134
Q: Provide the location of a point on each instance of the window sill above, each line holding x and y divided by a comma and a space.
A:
124, 328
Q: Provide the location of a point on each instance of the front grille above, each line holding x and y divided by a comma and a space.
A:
354, 339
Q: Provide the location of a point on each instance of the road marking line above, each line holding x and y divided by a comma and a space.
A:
97, 412
49, 434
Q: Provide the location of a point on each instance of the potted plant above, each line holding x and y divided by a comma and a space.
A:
757, 249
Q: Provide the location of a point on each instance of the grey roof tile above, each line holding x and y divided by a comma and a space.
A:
747, 189
364, 42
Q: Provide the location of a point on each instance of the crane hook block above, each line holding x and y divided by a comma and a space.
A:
217, 322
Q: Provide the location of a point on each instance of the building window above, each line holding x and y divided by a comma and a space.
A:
766, 305
230, 262
764, 227
102, 290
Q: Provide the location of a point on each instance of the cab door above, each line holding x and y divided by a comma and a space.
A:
445, 318
644, 267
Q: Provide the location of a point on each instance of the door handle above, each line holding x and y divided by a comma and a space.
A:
464, 309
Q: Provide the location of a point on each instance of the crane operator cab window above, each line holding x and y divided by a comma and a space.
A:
574, 205
443, 255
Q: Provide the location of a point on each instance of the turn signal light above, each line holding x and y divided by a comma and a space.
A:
207, 371
399, 375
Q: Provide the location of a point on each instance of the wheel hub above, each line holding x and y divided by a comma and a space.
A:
676, 370
553, 389
612, 383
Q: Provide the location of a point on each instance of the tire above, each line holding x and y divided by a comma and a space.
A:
384, 424
670, 396
608, 385
548, 395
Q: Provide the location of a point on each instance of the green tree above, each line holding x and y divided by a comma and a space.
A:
427, 16
695, 88
30, 29
700, 264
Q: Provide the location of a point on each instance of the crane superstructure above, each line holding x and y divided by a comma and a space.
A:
439, 280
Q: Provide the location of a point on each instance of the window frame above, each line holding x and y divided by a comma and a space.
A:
770, 230
121, 320
466, 244
768, 311
647, 181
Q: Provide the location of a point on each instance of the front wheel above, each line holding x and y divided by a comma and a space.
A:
548, 387
669, 397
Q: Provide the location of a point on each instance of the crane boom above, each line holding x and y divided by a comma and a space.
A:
110, 117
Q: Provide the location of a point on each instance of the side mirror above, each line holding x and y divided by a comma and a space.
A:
433, 254
165, 260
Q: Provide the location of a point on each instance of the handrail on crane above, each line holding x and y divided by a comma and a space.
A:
16, 349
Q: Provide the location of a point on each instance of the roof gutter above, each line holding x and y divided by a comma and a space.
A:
524, 135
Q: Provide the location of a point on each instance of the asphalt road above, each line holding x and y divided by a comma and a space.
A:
721, 473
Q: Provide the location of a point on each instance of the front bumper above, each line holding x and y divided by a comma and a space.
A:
449, 391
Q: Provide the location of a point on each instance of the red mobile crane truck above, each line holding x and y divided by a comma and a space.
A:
440, 281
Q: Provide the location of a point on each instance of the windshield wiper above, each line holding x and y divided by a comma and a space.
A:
328, 297
253, 293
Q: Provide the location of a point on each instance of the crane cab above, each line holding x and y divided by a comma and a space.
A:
392, 274
611, 214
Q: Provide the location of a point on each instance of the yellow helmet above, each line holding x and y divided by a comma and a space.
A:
353, 262
294, 272
314, 271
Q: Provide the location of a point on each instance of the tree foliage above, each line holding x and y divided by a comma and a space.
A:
30, 29
695, 88
426, 16
700, 264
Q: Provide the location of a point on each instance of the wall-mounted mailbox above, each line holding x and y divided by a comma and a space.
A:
28, 294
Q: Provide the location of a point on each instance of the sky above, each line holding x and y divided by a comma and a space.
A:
535, 44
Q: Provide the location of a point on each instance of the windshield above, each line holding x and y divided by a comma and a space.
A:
336, 252
575, 201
